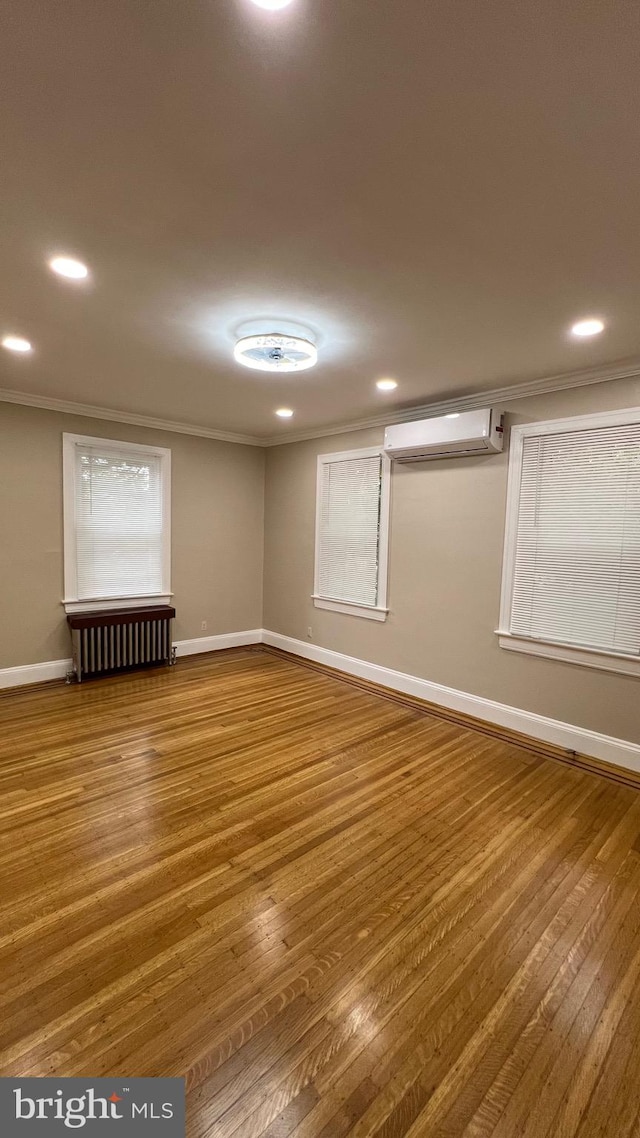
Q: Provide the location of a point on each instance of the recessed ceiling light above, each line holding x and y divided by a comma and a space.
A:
386, 384
272, 5
275, 352
69, 267
16, 344
453, 415
591, 327
284, 412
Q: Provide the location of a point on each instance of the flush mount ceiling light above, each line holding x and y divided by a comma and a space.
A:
284, 413
275, 352
386, 384
272, 5
68, 267
590, 327
16, 344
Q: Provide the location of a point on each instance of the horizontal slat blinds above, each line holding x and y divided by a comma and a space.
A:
118, 517
577, 559
349, 530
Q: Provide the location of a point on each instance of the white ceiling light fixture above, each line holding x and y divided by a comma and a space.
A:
592, 326
284, 413
16, 344
69, 267
275, 352
386, 384
453, 415
272, 5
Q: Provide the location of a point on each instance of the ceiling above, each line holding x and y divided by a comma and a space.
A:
437, 189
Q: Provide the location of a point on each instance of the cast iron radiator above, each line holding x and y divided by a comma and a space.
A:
108, 642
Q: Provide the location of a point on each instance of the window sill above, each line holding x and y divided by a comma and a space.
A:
586, 657
105, 604
370, 612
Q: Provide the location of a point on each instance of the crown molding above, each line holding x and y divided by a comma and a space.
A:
90, 412
625, 369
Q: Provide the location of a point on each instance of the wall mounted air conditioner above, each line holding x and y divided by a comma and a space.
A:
466, 433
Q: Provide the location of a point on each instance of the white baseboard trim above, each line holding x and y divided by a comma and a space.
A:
217, 643
57, 669
604, 747
34, 673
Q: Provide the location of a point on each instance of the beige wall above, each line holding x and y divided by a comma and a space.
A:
217, 531
447, 528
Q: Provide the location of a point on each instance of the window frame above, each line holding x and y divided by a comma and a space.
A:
72, 603
600, 658
379, 611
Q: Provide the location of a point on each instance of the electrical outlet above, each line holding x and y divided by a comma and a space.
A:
203, 626
309, 632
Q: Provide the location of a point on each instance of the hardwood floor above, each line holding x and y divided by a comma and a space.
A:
333, 914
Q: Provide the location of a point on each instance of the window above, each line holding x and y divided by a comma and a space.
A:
352, 527
571, 575
116, 523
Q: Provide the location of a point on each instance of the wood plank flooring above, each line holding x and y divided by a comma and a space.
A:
333, 914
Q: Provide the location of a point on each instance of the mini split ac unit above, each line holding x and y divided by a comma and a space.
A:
470, 432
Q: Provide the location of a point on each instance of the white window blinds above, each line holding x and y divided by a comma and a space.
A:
118, 522
349, 497
576, 576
